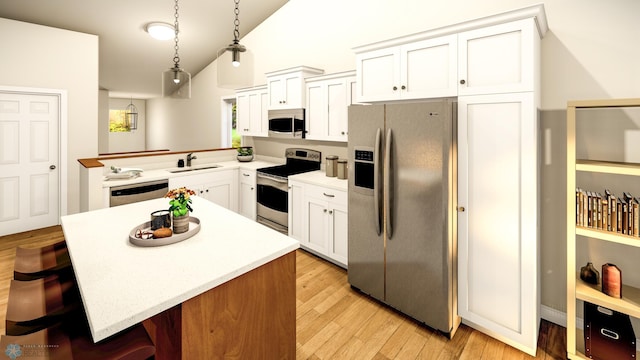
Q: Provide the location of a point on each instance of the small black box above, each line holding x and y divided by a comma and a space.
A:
608, 334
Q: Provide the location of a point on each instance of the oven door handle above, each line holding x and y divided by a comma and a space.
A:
284, 181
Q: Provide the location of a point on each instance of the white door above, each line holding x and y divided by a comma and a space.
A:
497, 231
29, 162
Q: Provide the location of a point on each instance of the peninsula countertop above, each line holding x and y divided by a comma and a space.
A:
122, 284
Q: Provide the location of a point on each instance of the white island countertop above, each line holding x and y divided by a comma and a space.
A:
122, 284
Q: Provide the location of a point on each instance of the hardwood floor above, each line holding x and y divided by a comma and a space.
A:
335, 322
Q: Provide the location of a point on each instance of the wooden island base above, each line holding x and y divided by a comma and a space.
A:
250, 317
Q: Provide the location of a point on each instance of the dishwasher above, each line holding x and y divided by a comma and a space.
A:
127, 194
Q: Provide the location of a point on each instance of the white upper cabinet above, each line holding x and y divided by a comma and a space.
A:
491, 55
251, 111
328, 98
422, 69
286, 87
499, 59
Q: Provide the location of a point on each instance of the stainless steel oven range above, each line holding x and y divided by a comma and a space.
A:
273, 186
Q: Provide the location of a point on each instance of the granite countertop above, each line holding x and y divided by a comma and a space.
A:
122, 284
321, 179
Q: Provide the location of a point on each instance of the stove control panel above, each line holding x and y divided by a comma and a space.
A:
303, 154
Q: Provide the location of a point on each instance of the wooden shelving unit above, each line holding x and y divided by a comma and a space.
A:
576, 288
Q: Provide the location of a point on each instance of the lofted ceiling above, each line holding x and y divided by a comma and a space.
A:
131, 62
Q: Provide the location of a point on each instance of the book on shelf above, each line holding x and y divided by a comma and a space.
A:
606, 212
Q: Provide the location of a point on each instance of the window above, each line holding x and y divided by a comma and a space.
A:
118, 121
236, 139
230, 136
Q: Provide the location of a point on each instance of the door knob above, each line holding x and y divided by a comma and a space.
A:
52, 167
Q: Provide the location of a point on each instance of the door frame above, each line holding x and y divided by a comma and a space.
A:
62, 136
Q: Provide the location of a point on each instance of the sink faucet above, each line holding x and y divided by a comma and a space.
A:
190, 157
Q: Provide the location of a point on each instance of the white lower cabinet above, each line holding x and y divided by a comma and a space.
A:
220, 187
319, 220
247, 193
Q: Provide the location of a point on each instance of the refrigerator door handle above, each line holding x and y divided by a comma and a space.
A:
376, 181
387, 184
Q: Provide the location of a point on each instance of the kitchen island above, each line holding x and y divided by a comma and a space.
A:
228, 291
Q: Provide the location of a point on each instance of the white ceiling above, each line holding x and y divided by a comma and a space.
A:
131, 62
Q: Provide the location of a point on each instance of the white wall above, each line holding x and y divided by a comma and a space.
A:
44, 57
188, 124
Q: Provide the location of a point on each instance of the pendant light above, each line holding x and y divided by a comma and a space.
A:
131, 115
176, 82
230, 74
235, 46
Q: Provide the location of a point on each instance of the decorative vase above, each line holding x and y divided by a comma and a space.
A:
612, 280
589, 274
180, 224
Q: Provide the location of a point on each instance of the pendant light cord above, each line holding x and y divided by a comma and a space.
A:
176, 57
236, 31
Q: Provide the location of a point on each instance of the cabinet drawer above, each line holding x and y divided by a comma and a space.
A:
247, 176
328, 194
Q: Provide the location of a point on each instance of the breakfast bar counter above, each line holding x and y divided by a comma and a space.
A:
227, 291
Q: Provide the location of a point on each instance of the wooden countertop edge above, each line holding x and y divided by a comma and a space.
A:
90, 163
95, 162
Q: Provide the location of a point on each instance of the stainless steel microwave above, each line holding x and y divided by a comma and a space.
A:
287, 123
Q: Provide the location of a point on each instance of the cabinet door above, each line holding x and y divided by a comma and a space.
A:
296, 215
255, 111
317, 223
243, 113
247, 193
499, 59
276, 90
293, 88
338, 230
316, 111
337, 104
428, 68
497, 231
378, 75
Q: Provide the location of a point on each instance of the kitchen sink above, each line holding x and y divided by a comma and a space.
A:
185, 169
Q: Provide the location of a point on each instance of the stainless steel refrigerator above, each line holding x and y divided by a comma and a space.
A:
402, 198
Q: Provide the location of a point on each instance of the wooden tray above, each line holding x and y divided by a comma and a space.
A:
194, 228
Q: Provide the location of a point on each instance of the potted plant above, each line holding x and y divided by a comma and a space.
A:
180, 206
245, 153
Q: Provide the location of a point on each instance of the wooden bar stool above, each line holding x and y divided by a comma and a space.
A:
56, 343
36, 304
40, 262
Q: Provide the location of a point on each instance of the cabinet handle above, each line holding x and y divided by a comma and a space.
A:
395, 88
460, 208
251, 189
330, 212
325, 210
243, 174
342, 133
328, 195
462, 82
404, 87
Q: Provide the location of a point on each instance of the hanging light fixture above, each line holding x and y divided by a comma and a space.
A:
131, 115
235, 47
229, 72
176, 82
